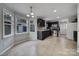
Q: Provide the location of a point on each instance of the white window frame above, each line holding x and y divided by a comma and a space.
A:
16, 24
5, 11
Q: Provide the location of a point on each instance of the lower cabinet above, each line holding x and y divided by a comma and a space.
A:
41, 35
75, 35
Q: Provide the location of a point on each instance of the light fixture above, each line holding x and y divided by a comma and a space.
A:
31, 14
28, 15
54, 10
31, 11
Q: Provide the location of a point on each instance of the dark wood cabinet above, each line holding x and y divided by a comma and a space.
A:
75, 35
40, 22
41, 35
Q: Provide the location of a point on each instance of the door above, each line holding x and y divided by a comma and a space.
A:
33, 28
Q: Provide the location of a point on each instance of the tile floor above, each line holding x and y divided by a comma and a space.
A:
51, 46
57, 46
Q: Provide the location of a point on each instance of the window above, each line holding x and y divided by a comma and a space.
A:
21, 25
32, 27
7, 23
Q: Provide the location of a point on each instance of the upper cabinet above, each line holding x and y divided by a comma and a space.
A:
40, 22
73, 19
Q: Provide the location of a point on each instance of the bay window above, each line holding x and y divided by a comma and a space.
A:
7, 23
21, 25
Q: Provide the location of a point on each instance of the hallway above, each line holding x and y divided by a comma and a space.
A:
50, 46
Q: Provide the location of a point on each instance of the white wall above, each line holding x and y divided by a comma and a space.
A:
63, 26
78, 29
71, 27
7, 43
67, 28
20, 37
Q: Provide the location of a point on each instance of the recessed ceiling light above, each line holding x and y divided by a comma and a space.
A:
57, 17
54, 10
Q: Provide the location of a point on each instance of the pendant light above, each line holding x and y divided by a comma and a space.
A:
31, 14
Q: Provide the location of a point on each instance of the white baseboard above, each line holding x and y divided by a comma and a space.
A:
20, 41
6, 50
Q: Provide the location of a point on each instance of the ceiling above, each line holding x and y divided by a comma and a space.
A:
46, 10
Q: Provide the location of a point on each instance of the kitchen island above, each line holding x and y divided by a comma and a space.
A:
41, 35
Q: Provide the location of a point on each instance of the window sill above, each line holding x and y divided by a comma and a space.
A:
6, 36
22, 33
